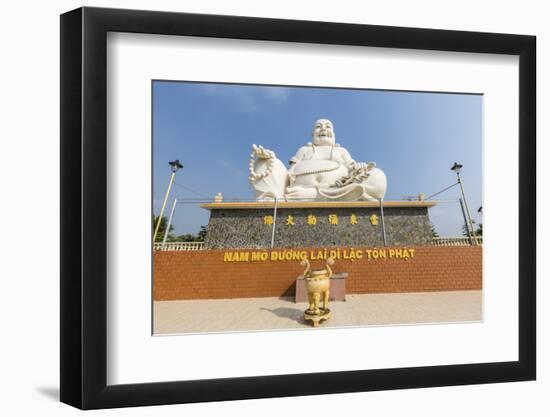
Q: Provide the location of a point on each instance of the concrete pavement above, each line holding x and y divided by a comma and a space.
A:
246, 314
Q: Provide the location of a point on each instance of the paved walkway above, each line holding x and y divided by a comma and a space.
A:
197, 316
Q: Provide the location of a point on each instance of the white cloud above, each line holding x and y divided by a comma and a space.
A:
276, 93
247, 98
228, 166
211, 88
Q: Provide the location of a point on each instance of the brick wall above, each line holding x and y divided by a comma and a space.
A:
204, 274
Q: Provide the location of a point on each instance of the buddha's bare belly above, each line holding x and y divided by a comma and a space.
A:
317, 172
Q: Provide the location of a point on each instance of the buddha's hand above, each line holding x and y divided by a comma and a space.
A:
261, 153
367, 166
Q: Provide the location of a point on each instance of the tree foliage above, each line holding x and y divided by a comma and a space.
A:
477, 232
190, 237
434, 232
162, 229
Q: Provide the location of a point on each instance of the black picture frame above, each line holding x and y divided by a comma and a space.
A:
84, 207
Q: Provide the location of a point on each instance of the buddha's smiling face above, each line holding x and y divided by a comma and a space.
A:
323, 133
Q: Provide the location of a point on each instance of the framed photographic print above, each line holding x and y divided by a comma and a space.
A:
258, 207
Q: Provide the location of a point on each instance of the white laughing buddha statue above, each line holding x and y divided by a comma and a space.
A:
320, 171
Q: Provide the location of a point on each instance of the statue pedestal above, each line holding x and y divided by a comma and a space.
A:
337, 288
317, 224
317, 318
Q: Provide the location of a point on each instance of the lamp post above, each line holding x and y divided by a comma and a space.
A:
383, 222
456, 168
174, 166
169, 222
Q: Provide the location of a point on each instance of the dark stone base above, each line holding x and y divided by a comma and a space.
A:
249, 227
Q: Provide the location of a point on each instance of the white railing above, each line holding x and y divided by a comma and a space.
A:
437, 241
179, 246
456, 241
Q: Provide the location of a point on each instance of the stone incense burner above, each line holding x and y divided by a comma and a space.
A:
317, 286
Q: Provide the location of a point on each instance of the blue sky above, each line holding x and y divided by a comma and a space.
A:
414, 137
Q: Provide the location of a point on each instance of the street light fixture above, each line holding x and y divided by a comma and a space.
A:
456, 168
175, 166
